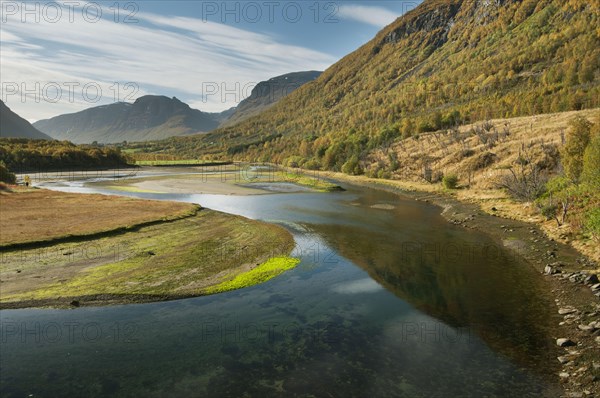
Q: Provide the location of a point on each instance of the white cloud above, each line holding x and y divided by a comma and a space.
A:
376, 16
163, 55
366, 285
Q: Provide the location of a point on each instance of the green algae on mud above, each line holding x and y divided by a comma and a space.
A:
303, 180
262, 273
232, 180
179, 259
128, 188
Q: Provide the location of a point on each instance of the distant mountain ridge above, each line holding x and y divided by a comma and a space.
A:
156, 117
14, 126
267, 93
150, 117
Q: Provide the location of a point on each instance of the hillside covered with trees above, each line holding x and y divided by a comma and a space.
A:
447, 62
24, 155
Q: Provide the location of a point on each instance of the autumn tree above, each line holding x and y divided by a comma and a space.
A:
578, 139
591, 162
5, 175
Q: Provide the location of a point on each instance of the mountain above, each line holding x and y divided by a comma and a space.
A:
158, 117
267, 93
444, 63
148, 118
14, 126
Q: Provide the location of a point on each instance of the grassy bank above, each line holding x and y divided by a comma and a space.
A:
203, 253
305, 180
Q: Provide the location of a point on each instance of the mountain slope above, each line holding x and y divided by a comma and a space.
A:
445, 62
14, 126
148, 118
267, 93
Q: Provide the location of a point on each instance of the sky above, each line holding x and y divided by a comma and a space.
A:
65, 56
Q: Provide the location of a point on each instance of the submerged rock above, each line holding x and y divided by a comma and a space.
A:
565, 311
587, 328
575, 394
551, 270
563, 359
564, 342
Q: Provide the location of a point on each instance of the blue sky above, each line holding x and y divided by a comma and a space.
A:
65, 56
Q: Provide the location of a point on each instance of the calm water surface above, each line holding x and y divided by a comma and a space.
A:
389, 301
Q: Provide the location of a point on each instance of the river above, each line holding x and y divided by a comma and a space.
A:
389, 300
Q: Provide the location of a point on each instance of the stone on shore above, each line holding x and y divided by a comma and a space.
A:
564, 343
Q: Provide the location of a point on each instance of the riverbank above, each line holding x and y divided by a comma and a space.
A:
569, 275
176, 250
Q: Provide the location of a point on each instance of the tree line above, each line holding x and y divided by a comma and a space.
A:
26, 155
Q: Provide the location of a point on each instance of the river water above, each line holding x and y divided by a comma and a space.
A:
389, 300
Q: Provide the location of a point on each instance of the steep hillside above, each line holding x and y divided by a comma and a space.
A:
447, 62
266, 94
14, 126
148, 118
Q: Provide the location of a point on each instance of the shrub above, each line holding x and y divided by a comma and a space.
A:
372, 170
524, 180
549, 157
408, 128
591, 163
437, 176
450, 181
312, 164
549, 210
5, 175
294, 161
592, 223
384, 174
577, 141
482, 161
465, 153
352, 166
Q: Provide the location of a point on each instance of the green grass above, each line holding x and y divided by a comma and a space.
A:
127, 188
303, 180
179, 259
171, 162
260, 274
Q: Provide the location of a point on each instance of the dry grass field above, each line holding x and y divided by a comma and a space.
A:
37, 215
